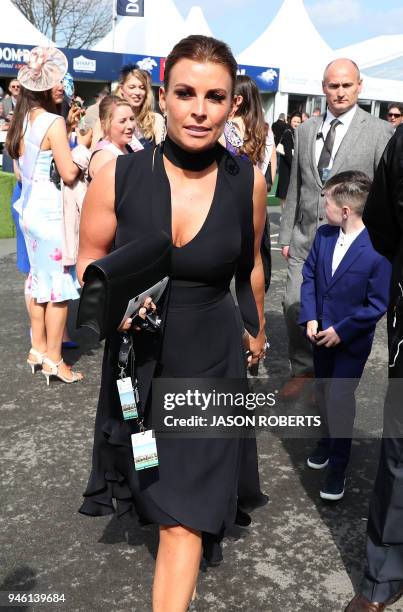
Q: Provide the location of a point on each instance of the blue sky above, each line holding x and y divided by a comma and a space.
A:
340, 22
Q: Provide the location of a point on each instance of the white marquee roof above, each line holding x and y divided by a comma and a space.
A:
154, 34
377, 50
17, 30
292, 44
195, 23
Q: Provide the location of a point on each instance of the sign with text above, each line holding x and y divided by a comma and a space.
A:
130, 8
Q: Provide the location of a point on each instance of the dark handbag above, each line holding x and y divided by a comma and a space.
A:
111, 282
54, 175
268, 177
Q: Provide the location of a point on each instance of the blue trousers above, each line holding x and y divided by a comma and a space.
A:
338, 374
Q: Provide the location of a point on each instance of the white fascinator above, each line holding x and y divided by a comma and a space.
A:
45, 68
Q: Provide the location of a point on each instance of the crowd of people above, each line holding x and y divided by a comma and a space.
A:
92, 181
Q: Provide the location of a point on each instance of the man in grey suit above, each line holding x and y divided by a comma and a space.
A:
345, 138
9, 103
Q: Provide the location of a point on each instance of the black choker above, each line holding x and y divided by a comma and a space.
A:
186, 160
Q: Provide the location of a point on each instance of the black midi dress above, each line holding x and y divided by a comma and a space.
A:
196, 482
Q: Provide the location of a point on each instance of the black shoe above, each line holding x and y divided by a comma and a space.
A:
212, 550
333, 489
252, 503
318, 460
242, 518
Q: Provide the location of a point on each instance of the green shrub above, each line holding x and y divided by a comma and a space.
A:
7, 182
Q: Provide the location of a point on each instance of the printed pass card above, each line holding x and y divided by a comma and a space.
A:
144, 450
128, 398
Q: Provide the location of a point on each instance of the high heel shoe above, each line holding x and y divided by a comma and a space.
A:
54, 371
35, 358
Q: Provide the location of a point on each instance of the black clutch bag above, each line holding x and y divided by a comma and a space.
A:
111, 282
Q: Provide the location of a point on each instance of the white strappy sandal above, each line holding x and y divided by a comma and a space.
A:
35, 358
54, 371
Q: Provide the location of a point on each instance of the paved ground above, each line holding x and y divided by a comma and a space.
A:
299, 555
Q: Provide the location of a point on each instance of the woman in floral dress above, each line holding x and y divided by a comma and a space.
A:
38, 139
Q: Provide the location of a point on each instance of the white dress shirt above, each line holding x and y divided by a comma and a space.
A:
344, 242
341, 131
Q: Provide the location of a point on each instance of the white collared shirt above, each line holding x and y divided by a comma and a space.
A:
341, 131
344, 242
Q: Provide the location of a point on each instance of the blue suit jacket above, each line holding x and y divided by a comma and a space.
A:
354, 298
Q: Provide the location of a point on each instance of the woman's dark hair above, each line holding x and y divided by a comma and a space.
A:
27, 100
200, 48
295, 114
397, 105
251, 112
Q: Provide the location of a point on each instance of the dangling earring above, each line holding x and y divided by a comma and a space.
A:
164, 130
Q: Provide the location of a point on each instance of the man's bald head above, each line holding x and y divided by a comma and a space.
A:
341, 85
342, 62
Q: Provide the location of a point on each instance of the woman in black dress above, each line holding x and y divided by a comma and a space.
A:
213, 206
284, 167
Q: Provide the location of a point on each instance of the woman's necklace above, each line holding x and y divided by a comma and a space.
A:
196, 162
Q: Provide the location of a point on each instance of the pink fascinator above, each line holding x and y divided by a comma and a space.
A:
45, 68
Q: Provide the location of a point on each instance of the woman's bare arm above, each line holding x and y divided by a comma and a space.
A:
98, 161
56, 140
17, 170
256, 345
273, 164
98, 219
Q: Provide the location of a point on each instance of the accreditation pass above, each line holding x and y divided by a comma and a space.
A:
144, 450
129, 398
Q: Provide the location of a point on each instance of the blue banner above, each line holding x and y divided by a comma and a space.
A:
146, 62
266, 78
130, 8
86, 65
83, 65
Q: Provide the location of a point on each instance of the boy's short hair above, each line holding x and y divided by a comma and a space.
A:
350, 188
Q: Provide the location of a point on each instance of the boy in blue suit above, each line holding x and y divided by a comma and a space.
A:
345, 292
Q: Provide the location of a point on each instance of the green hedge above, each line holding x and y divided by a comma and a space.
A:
271, 198
7, 182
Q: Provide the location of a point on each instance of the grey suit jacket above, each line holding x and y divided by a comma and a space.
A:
304, 211
7, 106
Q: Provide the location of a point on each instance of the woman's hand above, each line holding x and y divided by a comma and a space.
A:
256, 346
147, 307
84, 138
73, 118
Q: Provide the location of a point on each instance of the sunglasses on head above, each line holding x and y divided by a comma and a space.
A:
395, 115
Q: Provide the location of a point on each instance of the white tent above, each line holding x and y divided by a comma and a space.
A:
17, 30
379, 51
380, 57
195, 23
154, 34
291, 43
374, 51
